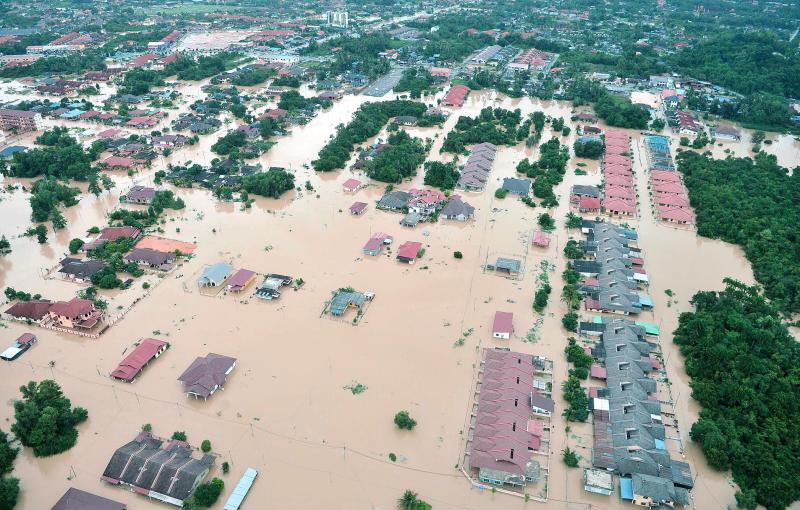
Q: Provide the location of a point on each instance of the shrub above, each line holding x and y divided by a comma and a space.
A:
392, 457
207, 494
570, 321
205, 446
458, 255
570, 458
225, 468
179, 435
500, 193
75, 245
404, 421
147, 427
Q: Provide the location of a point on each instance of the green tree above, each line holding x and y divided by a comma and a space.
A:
408, 501
546, 222
207, 494
404, 421
7, 454
179, 435
5, 246
45, 419
570, 321
75, 245
9, 492
205, 446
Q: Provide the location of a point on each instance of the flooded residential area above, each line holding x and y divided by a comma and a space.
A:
345, 349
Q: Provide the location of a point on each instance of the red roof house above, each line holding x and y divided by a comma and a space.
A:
114, 233
409, 251
240, 280
146, 351
358, 208
351, 185
503, 325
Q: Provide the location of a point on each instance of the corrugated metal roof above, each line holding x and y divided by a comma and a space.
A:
240, 491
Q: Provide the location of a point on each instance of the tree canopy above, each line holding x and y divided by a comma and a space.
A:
45, 418
753, 203
744, 368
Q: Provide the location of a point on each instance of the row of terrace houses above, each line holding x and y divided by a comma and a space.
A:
669, 196
613, 269
508, 419
619, 192
629, 432
476, 170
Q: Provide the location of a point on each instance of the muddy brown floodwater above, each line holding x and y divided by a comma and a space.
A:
285, 409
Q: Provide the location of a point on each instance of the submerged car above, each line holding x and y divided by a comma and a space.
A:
22, 344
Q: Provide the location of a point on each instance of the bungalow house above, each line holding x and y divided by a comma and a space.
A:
114, 233
394, 201
241, 280
457, 209
406, 120
151, 258
344, 299
351, 185
441, 74
581, 190
521, 187
165, 471
206, 375
270, 287
214, 274
409, 251
121, 163
411, 219
358, 208
139, 195
376, 243
511, 267
727, 133
147, 350
33, 311
75, 313
541, 239
80, 270
503, 325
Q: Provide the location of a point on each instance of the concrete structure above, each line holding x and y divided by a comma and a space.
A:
20, 120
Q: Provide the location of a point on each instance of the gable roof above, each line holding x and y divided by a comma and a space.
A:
206, 373
33, 310
133, 363
76, 499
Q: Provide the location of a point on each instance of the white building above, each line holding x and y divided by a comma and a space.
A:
338, 19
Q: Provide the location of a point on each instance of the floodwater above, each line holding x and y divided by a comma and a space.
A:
285, 409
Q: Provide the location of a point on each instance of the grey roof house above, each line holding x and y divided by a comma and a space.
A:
394, 200
457, 209
165, 471
206, 375
521, 187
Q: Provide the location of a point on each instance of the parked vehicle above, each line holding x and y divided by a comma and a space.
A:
22, 344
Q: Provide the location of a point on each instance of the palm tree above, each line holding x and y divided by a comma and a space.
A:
408, 501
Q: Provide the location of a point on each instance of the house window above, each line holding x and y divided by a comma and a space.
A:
514, 427
624, 365
620, 347
517, 379
630, 433
512, 453
516, 401
625, 385
627, 408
